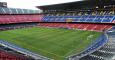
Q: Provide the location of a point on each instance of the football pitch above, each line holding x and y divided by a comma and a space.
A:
53, 43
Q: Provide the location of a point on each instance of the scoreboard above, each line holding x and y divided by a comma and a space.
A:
3, 4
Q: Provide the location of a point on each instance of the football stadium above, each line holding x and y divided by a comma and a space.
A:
80, 30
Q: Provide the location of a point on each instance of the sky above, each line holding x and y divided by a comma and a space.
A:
30, 4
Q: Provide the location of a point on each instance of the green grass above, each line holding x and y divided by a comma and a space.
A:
50, 42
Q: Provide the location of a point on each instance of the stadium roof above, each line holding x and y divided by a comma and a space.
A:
78, 4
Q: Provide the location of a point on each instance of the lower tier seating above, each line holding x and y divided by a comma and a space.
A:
106, 52
16, 26
99, 42
8, 54
90, 27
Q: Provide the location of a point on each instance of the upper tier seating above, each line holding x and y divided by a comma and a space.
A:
6, 19
97, 17
4, 10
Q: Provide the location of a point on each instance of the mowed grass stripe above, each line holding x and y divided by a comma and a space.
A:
51, 42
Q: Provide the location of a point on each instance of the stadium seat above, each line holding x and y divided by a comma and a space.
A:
5, 19
98, 17
4, 10
90, 27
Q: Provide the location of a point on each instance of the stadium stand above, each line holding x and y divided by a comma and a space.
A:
90, 27
9, 54
93, 47
15, 18
25, 52
82, 17
7, 19
17, 26
16, 15
4, 10
106, 52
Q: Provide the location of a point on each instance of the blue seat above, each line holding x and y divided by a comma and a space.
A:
95, 44
76, 18
99, 19
83, 18
107, 19
113, 19
91, 18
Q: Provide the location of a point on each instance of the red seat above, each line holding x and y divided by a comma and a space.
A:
5, 19
90, 27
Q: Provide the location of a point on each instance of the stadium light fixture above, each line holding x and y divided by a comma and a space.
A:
97, 7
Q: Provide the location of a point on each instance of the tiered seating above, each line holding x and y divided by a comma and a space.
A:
23, 52
93, 47
94, 19
4, 10
106, 52
91, 27
17, 26
106, 17
56, 25
6, 19
8, 54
